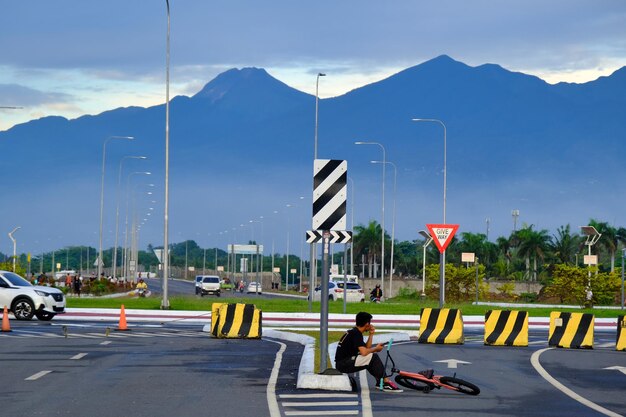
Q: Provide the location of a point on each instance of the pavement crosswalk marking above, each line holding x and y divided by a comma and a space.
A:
320, 404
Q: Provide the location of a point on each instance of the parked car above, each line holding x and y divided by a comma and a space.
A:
254, 287
25, 300
335, 292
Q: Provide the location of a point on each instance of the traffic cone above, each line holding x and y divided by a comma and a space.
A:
6, 327
122, 326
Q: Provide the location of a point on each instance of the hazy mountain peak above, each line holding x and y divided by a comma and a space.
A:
235, 80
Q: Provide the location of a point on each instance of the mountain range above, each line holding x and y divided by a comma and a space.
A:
241, 149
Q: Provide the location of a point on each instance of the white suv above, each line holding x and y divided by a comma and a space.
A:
25, 300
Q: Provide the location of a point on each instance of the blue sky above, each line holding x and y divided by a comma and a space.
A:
73, 57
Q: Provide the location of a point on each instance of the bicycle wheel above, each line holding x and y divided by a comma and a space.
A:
413, 383
460, 385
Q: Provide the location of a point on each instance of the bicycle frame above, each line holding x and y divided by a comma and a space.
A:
436, 381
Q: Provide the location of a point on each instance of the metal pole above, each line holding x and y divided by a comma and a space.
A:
393, 221
382, 222
311, 278
165, 304
14, 245
351, 225
476, 263
317, 84
442, 256
117, 210
345, 277
424, 273
623, 256
324, 301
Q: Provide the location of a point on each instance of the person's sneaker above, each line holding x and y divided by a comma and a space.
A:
428, 373
390, 387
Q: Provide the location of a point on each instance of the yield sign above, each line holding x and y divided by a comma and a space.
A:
442, 234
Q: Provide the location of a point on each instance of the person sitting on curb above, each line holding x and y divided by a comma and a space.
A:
354, 354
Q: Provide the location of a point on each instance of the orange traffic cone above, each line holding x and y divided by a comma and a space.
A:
122, 326
6, 327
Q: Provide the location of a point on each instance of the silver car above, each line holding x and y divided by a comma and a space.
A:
25, 300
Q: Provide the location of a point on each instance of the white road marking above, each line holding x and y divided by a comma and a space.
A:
454, 363
320, 403
323, 413
534, 360
272, 402
622, 369
78, 356
366, 403
37, 376
106, 342
318, 396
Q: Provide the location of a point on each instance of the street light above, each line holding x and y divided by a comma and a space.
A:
442, 256
117, 210
623, 256
382, 223
125, 257
104, 148
165, 304
393, 219
592, 238
428, 238
14, 244
317, 85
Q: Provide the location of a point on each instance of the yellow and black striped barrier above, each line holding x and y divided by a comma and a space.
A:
236, 321
571, 330
506, 328
442, 326
621, 333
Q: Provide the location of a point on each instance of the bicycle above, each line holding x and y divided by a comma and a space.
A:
419, 382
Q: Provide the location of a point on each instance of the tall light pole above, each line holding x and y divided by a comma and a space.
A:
442, 256
393, 220
104, 149
125, 257
623, 257
165, 303
317, 85
117, 210
427, 239
382, 221
14, 244
592, 238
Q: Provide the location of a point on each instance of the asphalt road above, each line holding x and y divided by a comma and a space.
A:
160, 370
150, 371
177, 287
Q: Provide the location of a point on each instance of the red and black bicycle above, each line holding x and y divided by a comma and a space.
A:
419, 382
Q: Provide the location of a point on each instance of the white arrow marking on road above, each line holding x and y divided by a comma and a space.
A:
453, 363
622, 369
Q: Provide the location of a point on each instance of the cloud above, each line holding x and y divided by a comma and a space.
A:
19, 95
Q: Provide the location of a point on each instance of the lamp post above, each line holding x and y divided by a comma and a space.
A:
317, 85
125, 257
623, 256
104, 148
592, 238
382, 222
428, 238
165, 303
117, 210
14, 244
393, 219
442, 256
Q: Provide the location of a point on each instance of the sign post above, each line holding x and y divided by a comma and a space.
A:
442, 236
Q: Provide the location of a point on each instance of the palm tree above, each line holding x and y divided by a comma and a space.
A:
533, 243
565, 246
367, 242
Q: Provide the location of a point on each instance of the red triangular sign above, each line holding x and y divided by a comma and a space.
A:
442, 234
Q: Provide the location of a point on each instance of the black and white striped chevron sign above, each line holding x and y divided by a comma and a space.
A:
336, 236
329, 194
